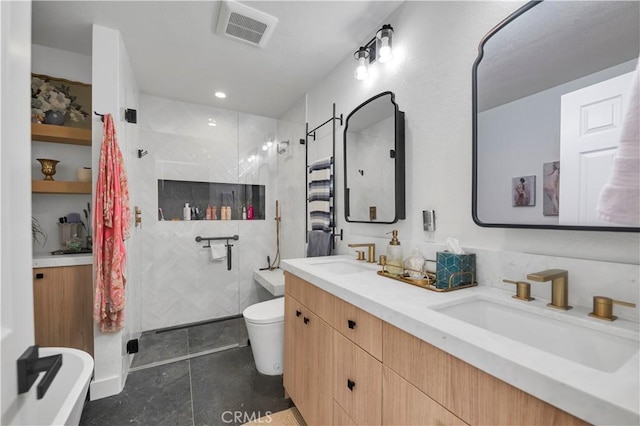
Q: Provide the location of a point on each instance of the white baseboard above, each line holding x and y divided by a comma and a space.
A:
110, 386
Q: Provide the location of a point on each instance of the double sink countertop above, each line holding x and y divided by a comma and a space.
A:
594, 395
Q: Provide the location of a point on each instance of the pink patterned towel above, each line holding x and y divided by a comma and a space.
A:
111, 228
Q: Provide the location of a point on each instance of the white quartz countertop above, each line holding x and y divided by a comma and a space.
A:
596, 396
273, 280
49, 260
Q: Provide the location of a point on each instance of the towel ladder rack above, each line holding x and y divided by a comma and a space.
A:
312, 134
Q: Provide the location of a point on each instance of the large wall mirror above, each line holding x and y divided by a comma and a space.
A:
374, 162
551, 88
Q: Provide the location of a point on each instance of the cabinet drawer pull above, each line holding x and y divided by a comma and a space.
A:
306, 320
298, 313
351, 384
39, 276
351, 324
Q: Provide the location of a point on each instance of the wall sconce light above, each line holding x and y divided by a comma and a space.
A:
362, 70
384, 43
380, 47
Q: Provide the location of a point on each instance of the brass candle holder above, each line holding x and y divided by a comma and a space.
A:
48, 167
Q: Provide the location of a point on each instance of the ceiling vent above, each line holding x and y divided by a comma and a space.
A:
245, 24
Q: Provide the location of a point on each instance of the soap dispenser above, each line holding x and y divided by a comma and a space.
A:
394, 255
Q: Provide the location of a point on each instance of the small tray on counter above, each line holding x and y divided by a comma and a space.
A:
427, 282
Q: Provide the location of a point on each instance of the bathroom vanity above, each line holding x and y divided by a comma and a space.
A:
364, 349
63, 300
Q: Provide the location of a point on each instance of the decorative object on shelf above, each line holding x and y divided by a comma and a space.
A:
84, 174
59, 102
48, 167
37, 232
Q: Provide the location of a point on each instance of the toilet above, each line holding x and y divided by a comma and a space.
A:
265, 324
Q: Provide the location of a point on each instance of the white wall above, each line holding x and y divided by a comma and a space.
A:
435, 46
114, 89
180, 284
47, 208
291, 174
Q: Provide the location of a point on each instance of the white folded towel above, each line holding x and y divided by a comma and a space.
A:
218, 252
620, 198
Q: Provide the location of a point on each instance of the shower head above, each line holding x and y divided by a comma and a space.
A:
282, 147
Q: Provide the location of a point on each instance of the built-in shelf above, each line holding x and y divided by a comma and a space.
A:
59, 187
60, 134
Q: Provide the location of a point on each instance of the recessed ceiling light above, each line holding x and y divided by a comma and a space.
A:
221, 95
212, 122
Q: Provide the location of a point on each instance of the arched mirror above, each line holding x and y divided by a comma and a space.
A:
374, 161
551, 87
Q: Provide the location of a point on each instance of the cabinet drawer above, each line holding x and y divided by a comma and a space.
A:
404, 404
314, 298
357, 383
446, 379
359, 326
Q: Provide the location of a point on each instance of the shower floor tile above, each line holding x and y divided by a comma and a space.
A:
217, 334
155, 347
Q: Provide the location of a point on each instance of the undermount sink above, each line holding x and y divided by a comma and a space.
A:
574, 342
342, 266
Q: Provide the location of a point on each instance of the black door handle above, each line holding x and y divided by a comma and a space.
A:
298, 313
351, 324
39, 276
351, 384
306, 320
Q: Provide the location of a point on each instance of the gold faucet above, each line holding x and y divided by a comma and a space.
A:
372, 251
559, 286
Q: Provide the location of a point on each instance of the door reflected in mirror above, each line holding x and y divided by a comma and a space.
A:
551, 88
374, 161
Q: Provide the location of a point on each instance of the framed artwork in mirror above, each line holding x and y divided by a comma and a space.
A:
524, 191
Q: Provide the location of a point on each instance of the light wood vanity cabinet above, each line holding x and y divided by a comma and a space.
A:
62, 301
383, 375
473, 396
308, 359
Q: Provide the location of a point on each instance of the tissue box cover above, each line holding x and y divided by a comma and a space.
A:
461, 266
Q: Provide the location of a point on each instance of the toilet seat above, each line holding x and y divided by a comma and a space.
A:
269, 312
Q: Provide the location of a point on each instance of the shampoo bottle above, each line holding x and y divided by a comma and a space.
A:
394, 255
250, 212
208, 213
244, 213
186, 212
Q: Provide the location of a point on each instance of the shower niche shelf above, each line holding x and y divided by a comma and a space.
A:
173, 194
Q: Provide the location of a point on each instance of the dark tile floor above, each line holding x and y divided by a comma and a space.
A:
221, 388
163, 345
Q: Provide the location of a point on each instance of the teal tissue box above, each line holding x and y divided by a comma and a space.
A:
455, 269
